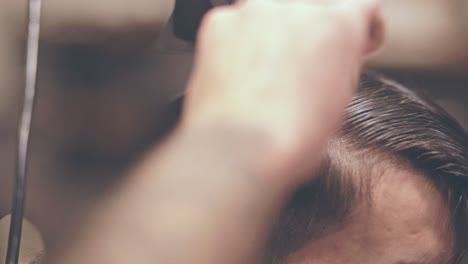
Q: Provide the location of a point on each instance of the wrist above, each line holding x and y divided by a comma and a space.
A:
268, 152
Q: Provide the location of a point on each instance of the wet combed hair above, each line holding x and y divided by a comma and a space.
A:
388, 122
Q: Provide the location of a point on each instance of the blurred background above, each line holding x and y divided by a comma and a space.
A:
110, 71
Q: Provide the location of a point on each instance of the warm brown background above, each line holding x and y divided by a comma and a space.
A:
96, 111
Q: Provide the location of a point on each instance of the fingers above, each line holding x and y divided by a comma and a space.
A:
365, 13
376, 33
217, 23
369, 15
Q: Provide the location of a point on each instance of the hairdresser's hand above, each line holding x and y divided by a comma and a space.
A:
286, 68
289, 83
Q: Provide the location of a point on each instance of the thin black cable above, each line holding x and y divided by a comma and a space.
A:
14, 239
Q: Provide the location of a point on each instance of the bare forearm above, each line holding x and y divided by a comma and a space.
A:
209, 195
174, 208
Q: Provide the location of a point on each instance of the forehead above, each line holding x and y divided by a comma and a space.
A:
403, 220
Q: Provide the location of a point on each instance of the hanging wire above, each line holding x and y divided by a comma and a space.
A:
14, 239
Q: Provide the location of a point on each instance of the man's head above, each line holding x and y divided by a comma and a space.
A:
393, 188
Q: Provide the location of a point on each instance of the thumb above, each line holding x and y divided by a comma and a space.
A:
369, 14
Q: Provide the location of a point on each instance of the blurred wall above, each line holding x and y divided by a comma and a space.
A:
96, 112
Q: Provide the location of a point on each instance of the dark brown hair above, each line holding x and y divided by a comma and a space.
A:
392, 123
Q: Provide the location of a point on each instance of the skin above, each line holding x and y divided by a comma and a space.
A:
87, 23
201, 115
405, 222
268, 151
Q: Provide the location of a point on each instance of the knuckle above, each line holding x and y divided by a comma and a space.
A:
371, 5
334, 26
345, 26
340, 21
216, 21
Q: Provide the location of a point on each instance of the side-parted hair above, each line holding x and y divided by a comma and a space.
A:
384, 121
